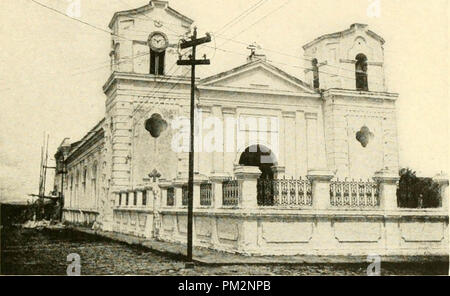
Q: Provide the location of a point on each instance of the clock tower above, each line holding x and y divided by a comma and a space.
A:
145, 87
145, 39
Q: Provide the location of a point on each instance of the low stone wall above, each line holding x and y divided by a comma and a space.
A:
137, 222
287, 232
339, 218
80, 216
133, 212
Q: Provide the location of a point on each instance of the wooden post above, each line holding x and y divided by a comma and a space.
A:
193, 43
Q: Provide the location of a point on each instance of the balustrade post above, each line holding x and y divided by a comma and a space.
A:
164, 185
131, 199
139, 194
153, 202
278, 172
198, 180
442, 180
248, 175
178, 188
320, 186
387, 181
123, 197
217, 189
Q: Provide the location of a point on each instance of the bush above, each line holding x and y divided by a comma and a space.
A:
415, 192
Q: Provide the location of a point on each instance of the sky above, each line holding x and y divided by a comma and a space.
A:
52, 68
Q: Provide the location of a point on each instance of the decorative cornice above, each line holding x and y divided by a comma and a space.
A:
362, 94
288, 114
149, 7
166, 79
309, 115
258, 91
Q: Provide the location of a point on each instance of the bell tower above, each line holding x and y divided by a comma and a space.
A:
352, 59
360, 123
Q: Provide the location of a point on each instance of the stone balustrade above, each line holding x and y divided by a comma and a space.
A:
133, 211
80, 216
227, 216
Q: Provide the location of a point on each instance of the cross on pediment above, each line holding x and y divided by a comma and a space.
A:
253, 47
254, 55
154, 175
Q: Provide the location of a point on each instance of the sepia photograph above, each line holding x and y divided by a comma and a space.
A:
217, 138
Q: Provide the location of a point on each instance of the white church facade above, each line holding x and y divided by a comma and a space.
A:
282, 166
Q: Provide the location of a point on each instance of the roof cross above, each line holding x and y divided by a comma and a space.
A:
253, 47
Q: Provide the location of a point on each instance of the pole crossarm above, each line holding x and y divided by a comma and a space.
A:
193, 62
195, 42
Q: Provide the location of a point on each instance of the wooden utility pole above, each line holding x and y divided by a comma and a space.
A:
194, 42
61, 198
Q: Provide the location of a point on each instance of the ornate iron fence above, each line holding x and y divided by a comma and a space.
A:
354, 194
170, 196
284, 192
206, 194
231, 192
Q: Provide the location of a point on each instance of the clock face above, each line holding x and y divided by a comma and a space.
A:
158, 41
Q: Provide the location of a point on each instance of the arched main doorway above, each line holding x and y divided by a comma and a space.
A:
259, 156
263, 158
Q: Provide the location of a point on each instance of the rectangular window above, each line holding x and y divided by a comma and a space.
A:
144, 197
120, 199
126, 24
126, 198
157, 62
135, 198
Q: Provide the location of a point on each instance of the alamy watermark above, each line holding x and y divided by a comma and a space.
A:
374, 9
74, 268
212, 134
73, 8
374, 268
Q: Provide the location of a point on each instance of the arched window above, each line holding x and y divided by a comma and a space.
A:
71, 190
115, 57
77, 182
84, 181
361, 72
157, 62
315, 69
94, 182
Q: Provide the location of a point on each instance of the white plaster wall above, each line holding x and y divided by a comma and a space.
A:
344, 117
337, 234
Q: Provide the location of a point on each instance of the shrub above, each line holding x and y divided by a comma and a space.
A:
415, 192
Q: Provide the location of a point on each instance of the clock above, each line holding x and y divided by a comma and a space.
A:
158, 41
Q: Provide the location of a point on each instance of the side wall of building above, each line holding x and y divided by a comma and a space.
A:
84, 183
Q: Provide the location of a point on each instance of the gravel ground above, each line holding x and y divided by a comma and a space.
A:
32, 252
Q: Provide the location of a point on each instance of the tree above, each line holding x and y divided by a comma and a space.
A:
416, 192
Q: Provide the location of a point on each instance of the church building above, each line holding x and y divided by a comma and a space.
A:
283, 165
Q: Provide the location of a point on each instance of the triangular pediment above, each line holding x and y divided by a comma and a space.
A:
146, 11
258, 75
